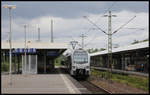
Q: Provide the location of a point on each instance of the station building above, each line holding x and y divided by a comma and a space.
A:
40, 56
130, 58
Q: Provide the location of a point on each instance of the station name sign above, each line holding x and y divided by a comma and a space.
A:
22, 50
52, 53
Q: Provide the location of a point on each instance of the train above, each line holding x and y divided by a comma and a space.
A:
78, 63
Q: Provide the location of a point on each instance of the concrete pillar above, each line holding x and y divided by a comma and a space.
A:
29, 64
123, 62
53, 63
15, 63
4, 56
18, 63
45, 64
22, 64
36, 65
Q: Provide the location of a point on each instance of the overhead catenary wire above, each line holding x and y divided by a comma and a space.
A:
94, 37
110, 37
107, 10
99, 20
123, 25
95, 25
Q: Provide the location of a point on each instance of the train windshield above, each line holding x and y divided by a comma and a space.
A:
80, 57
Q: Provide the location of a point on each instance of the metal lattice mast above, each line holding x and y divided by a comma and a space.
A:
38, 34
25, 50
110, 35
82, 36
51, 31
73, 43
109, 40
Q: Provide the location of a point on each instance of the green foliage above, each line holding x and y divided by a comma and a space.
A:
138, 82
58, 64
145, 40
4, 67
95, 50
136, 41
58, 61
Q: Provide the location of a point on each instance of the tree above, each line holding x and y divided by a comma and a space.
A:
95, 50
135, 42
145, 40
102, 49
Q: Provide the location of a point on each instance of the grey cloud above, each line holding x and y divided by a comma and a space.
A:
69, 9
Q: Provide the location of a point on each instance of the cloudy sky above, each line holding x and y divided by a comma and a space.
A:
69, 23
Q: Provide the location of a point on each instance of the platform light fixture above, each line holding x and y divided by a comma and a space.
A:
10, 52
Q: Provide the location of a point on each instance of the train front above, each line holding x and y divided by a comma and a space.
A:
80, 63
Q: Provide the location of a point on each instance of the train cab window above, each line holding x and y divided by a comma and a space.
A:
80, 57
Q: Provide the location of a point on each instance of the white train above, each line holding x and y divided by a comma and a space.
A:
78, 63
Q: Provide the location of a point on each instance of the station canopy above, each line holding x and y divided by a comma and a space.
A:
123, 48
39, 46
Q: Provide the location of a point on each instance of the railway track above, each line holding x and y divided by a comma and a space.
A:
92, 88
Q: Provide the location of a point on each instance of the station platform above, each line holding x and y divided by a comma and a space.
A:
42, 83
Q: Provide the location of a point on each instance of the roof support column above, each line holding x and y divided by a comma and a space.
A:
22, 65
36, 65
45, 64
18, 63
123, 62
15, 62
29, 64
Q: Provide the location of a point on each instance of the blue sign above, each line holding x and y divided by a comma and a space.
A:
52, 53
7, 54
34, 50
13, 51
17, 50
22, 50
30, 50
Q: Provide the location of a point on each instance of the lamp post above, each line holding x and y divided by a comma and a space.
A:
29, 65
10, 55
25, 48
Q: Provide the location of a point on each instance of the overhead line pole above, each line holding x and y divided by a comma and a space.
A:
82, 36
25, 60
51, 31
109, 35
109, 40
38, 34
73, 43
95, 25
123, 25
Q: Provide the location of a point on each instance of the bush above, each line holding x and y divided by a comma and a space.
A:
137, 82
5, 67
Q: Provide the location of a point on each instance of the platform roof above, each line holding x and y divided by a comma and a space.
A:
36, 45
124, 48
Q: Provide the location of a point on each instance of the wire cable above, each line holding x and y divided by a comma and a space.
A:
107, 10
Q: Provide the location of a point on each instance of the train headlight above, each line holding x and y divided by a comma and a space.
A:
73, 67
87, 67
